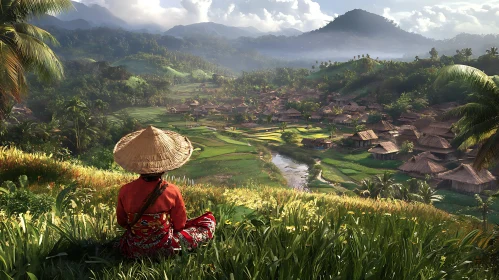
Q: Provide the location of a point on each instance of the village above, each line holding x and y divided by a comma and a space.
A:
427, 134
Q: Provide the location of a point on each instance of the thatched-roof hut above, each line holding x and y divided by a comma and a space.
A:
408, 133
382, 126
440, 129
435, 144
364, 138
427, 155
422, 166
466, 179
291, 114
384, 151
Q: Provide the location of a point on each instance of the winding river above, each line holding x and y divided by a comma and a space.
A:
295, 173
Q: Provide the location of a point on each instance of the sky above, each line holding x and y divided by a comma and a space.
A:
434, 19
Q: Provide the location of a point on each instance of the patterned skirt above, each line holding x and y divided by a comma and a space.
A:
153, 235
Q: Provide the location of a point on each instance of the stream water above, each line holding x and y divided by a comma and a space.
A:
295, 173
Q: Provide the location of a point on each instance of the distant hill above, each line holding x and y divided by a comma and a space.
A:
95, 14
225, 31
52, 21
211, 29
353, 33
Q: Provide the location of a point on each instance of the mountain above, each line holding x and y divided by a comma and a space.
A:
287, 32
51, 21
353, 33
212, 29
228, 32
95, 14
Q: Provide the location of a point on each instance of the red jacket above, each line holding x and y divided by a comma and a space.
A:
132, 196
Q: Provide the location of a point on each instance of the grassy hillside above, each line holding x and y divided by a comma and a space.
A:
262, 232
356, 66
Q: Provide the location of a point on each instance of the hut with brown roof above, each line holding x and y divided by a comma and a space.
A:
291, 113
408, 133
344, 119
364, 138
194, 104
435, 144
319, 143
421, 166
466, 179
408, 117
427, 155
384, 151
242, 108
181, 109
441, 129
382, 126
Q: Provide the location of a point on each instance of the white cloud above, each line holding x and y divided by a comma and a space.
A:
266, 15
449, 19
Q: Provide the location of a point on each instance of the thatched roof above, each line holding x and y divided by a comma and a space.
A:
422, 165
427, 155
382, 126
434, 141
384, 148
343, 118
242, 105
423, 122
440, 129
409, 115
365, 135
292, 111
465, 173
410, 133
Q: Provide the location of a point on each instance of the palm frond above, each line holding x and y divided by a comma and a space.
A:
478, 81
36, 32
488, 152
22, 10
37, 56
12, 80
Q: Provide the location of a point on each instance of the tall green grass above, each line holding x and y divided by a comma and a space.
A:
262, 233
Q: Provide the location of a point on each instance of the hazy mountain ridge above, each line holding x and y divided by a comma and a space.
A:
221, 30
356, 32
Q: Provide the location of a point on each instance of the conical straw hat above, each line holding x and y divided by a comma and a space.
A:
152, 150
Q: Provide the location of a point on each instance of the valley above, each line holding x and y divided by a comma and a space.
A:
311, 146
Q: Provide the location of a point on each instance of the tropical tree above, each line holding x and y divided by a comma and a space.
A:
484, 207
493, 51
386, 186
77, 112
283, 126
479, 119
368, 189
331, 129
468, 52
427, 193
433, 53
23, 46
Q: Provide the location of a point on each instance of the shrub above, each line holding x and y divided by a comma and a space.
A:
290, 137
16, 200
407, 147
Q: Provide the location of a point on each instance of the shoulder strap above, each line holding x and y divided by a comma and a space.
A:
153, 196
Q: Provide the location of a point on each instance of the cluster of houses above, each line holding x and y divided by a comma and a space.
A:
262, 105
432, 149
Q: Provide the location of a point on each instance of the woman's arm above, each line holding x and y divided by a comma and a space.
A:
178, 214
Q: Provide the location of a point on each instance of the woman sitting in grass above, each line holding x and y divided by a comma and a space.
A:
152, 210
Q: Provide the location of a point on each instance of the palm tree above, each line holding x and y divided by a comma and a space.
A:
467, 53
368, 189
479, 120
493, 51
78, 113
23, 47
484, 207
386, 185
427, 193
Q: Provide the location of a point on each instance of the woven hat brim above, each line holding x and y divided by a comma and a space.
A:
154, 151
